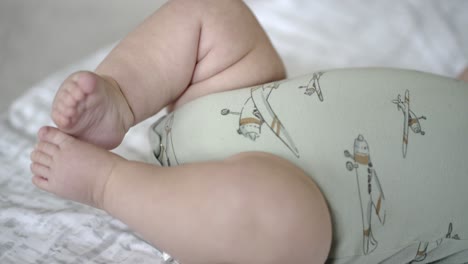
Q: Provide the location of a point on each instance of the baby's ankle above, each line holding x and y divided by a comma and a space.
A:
102, 193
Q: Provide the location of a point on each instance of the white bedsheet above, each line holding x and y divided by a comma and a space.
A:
36, 227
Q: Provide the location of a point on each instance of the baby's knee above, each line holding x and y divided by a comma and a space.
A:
233, 49
283, 209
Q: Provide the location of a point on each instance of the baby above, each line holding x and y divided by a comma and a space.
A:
187, 49
228, 200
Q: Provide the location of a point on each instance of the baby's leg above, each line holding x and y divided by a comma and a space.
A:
184, 50
249, 208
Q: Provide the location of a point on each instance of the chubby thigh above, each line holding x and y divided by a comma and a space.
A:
386, 147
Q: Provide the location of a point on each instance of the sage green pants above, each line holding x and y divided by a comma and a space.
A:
388, 149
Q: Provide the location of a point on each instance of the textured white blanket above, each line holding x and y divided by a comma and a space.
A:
36, 227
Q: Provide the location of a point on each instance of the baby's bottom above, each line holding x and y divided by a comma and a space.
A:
386, 148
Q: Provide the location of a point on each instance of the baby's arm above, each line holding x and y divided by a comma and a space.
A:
188, 49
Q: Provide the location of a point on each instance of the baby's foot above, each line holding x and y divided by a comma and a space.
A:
71, 168
93, 109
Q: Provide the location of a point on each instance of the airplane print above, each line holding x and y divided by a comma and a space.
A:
411, 121
426, 247
256, 112
370, 191
166, 147
314, 86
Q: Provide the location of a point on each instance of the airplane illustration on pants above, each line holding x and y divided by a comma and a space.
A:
411, 121
256, 112
314, 86
371, 196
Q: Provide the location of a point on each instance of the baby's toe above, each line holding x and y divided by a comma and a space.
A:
53, 136
86, 81
69, 99
73, 92
77, 94
41, 182
59, 119
40, 170
65, 110
37, 156
65, 95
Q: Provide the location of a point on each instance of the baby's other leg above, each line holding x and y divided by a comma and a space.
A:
188, 49
184, 50
250, 208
